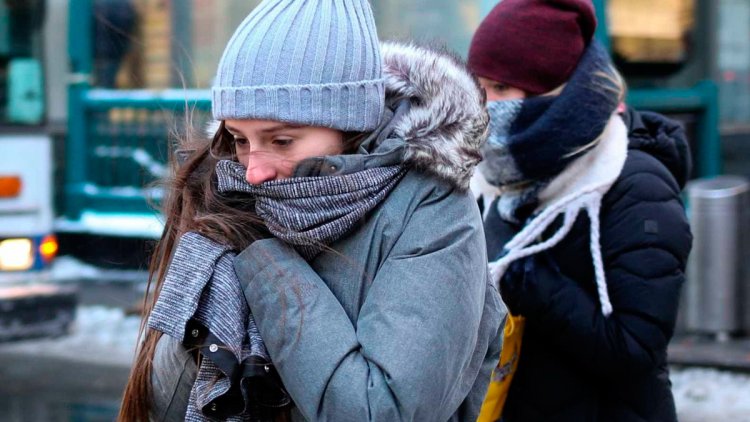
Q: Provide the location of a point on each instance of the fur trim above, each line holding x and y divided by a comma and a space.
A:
447, 123
212, 126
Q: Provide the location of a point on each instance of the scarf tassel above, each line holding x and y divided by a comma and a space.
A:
522, 245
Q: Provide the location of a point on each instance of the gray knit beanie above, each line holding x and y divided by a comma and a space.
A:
311, 62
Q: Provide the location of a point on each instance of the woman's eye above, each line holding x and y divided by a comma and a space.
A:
500, 87
240, 141
283, 142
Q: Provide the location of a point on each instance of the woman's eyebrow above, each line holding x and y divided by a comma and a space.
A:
231, 129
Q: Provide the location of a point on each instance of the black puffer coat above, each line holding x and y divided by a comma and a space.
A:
576, 364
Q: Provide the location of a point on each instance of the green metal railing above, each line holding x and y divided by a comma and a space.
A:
118, 140
701, 100
118, 146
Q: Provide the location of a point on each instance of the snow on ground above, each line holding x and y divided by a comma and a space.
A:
99, 335
67, 268
104, 334
703, 394
149, 225
108, 336
104, 326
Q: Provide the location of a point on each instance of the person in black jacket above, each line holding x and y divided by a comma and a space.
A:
588, 237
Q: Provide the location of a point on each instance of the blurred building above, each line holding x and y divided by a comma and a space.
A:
661, 46
733, 63
191, 34
179, 43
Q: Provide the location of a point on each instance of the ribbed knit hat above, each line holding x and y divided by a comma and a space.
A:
533, 45
310, 62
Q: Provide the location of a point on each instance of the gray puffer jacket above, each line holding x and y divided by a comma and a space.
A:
397, 321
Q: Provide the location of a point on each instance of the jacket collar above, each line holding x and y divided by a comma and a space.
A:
663, 138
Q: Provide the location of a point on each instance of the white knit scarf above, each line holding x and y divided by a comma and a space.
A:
581, 186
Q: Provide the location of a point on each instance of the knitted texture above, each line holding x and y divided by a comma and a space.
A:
555, 156
202, 305
311, 62
312, 212
580, 187
532, 45
532, 140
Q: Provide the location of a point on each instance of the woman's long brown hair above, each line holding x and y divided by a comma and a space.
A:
192, 203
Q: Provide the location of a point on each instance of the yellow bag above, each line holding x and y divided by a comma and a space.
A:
492, 407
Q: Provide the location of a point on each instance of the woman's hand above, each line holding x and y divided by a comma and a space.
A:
529, 284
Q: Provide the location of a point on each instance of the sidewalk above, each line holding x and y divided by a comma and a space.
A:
710, 378
732, 354
76, 377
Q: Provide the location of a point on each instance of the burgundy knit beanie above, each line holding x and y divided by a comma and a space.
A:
533, 45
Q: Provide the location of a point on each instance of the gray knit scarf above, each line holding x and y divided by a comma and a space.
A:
312, 212
201, 304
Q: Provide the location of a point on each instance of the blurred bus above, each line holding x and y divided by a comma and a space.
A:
29, 304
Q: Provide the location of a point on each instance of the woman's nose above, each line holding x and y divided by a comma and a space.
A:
260, 169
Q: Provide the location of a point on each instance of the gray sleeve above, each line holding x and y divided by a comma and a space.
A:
412, 354
172, 378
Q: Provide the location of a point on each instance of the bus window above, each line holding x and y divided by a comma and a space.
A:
21, 79
650, 37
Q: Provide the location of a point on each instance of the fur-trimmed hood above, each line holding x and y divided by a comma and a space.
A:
446, 124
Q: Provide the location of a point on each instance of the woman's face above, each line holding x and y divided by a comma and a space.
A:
270, 150
497, 91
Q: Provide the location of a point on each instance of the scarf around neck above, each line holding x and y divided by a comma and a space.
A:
312, 212
532, 140
554, 156
201, 304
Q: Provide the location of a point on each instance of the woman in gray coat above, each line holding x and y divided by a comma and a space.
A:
363, 285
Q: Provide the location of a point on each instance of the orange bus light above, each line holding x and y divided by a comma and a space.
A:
48, 248
10, 186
